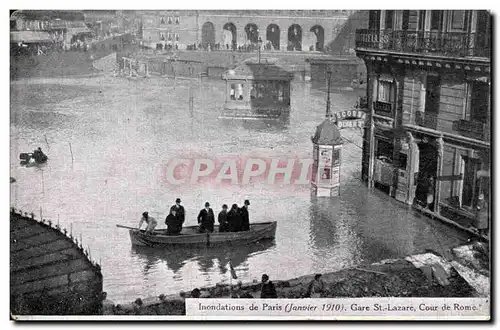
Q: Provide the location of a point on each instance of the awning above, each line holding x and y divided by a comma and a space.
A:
29, 36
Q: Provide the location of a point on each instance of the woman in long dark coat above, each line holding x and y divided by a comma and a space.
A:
234, 219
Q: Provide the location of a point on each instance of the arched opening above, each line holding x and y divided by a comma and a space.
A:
229, 35
252, 32
273, 35
208, 35
294, 37
320, 37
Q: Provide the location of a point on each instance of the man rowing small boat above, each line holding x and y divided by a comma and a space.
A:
150, 221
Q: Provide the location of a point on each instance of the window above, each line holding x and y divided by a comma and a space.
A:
385, 91
169, 20
432, 94
162, 36
162, 21
236, 92
436, 19
384, 151
374, 20
402, 161
457, 19
177, 20
405, 24
389, 19
177, 37
12, 25
169, 36
476, 108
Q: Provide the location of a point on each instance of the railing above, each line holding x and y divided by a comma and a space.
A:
455, 44
382, 108
428, 120
471, 129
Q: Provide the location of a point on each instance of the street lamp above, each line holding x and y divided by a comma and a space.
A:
259, 43
329, 78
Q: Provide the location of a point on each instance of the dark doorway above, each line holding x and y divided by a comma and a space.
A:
208, 35
232, 28
426, 178
294, 37
320, 37
273, 35
252, 33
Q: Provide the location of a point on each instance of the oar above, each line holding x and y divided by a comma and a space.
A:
127, 227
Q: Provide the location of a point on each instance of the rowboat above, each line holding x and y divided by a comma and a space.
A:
191, 237
28, 157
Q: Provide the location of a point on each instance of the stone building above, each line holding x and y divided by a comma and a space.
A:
290, 30
428, 138
50, 28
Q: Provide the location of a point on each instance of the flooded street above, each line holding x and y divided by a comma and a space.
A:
109, 141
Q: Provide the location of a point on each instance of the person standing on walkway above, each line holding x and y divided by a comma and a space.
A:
206, 219
179, 210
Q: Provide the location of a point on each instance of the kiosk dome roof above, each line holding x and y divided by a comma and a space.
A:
327, 133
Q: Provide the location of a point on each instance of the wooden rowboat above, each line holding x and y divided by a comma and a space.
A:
190, 236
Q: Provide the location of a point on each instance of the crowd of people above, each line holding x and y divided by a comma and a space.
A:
234, 220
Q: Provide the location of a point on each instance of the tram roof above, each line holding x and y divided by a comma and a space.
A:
252, 69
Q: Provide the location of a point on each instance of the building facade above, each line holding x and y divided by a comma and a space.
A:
284, 30
429, 89
54, 28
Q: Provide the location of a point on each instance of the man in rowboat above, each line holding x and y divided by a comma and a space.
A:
206, 219
223, 223
244, 216
179, 210
150, 221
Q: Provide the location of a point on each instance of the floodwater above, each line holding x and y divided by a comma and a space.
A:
109, 141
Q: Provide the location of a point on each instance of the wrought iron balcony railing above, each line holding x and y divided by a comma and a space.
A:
472, 129
428, 120
453, 44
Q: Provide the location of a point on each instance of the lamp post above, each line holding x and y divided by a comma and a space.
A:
329, 78
259, 43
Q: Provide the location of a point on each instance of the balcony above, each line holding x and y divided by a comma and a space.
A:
383, 108
471, 129
428, 120
449, 44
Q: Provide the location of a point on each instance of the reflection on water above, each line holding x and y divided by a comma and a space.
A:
122, 135
205, 258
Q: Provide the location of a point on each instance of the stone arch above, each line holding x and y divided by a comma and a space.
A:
208, 35
319, 32
230, 37
273, 35
252, 32
294, 37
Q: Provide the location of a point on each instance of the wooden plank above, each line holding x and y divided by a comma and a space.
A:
27, 232
65, 254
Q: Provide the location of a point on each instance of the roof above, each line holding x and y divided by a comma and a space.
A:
251, 69
327, 133
30, 36
67, 15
